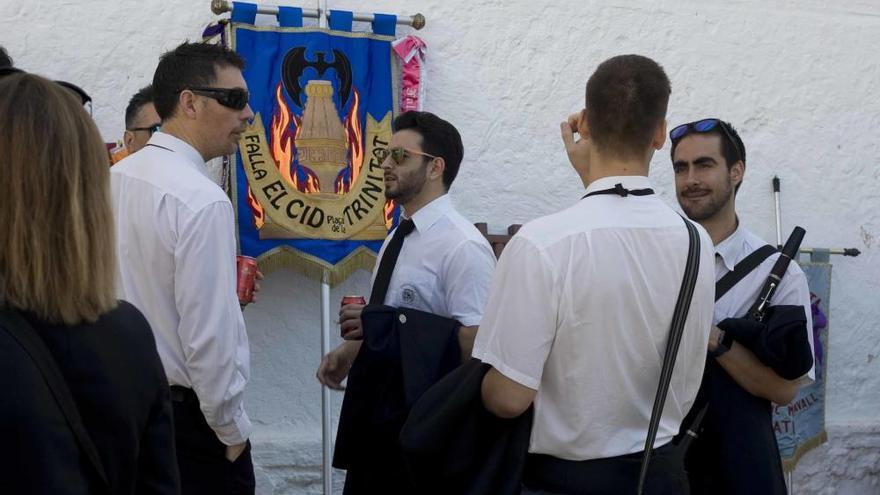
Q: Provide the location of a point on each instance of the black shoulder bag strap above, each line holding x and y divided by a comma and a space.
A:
24, 334
682, 305
742, 269
690, 427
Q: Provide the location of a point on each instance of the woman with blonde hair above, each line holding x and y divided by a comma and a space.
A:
85, 406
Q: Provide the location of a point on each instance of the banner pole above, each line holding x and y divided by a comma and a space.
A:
325, 391
416, 21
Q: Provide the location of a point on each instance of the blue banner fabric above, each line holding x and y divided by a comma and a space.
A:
308, 187
800, 425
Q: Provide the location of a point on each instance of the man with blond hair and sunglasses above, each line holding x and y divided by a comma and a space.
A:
176, 243
736, 451
443, 267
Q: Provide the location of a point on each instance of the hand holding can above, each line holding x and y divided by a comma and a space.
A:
346, 329
247, 274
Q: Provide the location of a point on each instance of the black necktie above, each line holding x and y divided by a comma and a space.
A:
389, 259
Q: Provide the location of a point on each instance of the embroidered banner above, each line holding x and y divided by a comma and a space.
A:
800, 425
307, 185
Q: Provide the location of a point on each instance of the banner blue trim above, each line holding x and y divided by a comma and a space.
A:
243, 12
341, 20
385, 24
290, 16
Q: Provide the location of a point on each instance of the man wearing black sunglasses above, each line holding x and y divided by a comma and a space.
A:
736, 451
176, 238
141, 120
435, 262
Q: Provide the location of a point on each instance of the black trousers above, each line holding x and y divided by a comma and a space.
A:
201, 456
547, 475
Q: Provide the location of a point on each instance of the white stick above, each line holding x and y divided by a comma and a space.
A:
325, 392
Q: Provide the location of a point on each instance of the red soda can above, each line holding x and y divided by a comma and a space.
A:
350, 300
247, 275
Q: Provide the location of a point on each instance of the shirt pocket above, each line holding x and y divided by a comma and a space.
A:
416, 289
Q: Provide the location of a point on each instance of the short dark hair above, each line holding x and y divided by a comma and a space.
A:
190, 64
5, 59
141, 98
627, 98
439, 138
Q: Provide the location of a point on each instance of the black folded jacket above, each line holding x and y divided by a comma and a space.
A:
404, 352
780, 341
452, 445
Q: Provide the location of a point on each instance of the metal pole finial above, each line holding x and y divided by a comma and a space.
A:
418, 21
220, 6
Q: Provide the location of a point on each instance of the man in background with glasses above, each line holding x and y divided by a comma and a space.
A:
176, 240
434, 261
736, 451
141, 120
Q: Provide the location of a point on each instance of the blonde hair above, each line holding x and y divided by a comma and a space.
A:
58, 253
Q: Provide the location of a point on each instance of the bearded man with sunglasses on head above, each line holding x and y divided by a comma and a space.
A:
735, 451
176, 252
444, 268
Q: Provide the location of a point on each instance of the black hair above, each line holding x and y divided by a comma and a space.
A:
439, 138
141, 98
188, 65
5, 59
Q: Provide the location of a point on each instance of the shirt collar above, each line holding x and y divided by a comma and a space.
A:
627, 181
180, 146
428, 215
729, 249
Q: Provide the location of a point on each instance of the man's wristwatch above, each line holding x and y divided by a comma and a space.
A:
725, 341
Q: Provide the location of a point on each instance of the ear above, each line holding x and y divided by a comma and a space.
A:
187, 104
583, 127
127, 138
659, 138
435, 170
737, 172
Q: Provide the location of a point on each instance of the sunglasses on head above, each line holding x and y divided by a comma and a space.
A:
701, 127
234, 98
152, 129
398, 154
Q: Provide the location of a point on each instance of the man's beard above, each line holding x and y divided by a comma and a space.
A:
709, 206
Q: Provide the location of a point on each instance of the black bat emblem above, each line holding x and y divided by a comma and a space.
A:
295, 63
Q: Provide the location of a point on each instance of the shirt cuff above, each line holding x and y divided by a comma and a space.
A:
235, 432
518, 377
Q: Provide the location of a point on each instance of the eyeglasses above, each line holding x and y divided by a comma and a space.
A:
234, 98
152, 129
79, 92
702, 127
398, 154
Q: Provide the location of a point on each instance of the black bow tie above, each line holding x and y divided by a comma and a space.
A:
621, 191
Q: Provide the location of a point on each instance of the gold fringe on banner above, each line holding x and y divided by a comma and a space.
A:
314, 267
788, 465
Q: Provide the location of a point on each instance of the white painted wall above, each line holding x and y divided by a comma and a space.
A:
798, 78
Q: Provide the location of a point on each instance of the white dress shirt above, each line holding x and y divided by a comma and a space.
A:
176, 251
792, 290
444, 267
580, 310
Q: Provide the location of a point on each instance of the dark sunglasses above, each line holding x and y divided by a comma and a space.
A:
398, 154
701, 127
152, 129
234, 98
79, 92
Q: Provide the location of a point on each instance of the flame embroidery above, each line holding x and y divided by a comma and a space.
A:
390, 205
